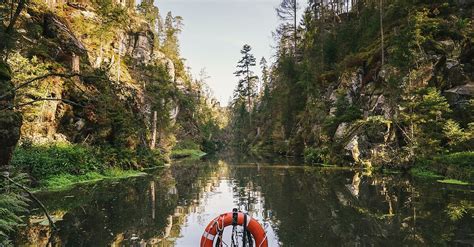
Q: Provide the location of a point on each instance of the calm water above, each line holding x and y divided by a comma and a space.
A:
298, 206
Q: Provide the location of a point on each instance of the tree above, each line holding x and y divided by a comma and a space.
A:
153, 17
265, 73
381, 31
246, 86
287, 11
172, 28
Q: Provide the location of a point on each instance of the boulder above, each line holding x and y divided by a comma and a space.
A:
341, 131
353, 147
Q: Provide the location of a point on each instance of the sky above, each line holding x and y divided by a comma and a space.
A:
214, 33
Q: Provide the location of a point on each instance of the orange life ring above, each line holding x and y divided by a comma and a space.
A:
226, 219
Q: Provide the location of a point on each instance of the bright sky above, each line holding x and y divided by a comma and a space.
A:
215, 31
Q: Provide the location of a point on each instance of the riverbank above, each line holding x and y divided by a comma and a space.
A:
454, 168
66, 181
59, 166
188, 149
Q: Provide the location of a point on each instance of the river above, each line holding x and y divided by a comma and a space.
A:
297, 205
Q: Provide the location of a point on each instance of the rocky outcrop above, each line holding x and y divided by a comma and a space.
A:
56, 29
140, 45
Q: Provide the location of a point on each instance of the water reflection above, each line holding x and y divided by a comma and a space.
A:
299, 206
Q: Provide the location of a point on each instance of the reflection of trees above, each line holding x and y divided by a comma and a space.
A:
147, 210
333, 208
324, 207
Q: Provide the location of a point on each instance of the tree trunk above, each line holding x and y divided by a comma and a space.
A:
75, 63
15, 16
381, 31
10, 121
153, 137
295, 28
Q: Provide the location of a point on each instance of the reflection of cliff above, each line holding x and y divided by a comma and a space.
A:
339, 208
302, 205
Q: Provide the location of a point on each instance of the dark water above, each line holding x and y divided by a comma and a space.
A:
298, 206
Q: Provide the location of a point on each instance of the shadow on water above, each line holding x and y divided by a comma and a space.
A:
299, 206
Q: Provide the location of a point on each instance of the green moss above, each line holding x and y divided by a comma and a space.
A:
187, 153
453, 181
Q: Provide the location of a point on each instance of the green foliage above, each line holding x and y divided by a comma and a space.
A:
172, 28
113, 15
187, 144
424, 115
458, 138
456, 210
452, 181
151, 13
42, 162
65, 181
396, 108
423, 173
187, 153
458, 166
12, 204
314, 155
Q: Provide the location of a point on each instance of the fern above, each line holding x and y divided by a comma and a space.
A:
12, 205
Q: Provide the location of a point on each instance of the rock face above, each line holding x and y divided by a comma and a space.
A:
10, 121
54, 28
140, 45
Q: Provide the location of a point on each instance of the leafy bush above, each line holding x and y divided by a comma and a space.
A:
42, 161
12, 204
314, 156
458, 166
187, 144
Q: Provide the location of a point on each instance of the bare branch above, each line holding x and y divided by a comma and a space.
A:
43, 99
39, 78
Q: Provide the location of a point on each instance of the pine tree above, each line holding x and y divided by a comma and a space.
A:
246, 75
153, 17
172, 28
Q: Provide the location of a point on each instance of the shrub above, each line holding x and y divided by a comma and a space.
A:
187, 144
455, 166
43, 161
314, 156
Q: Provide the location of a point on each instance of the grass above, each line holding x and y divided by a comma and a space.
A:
451, 168
65, 181
453, 181
422, 173
187, 153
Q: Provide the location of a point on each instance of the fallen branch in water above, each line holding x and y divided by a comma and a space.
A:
51, 222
